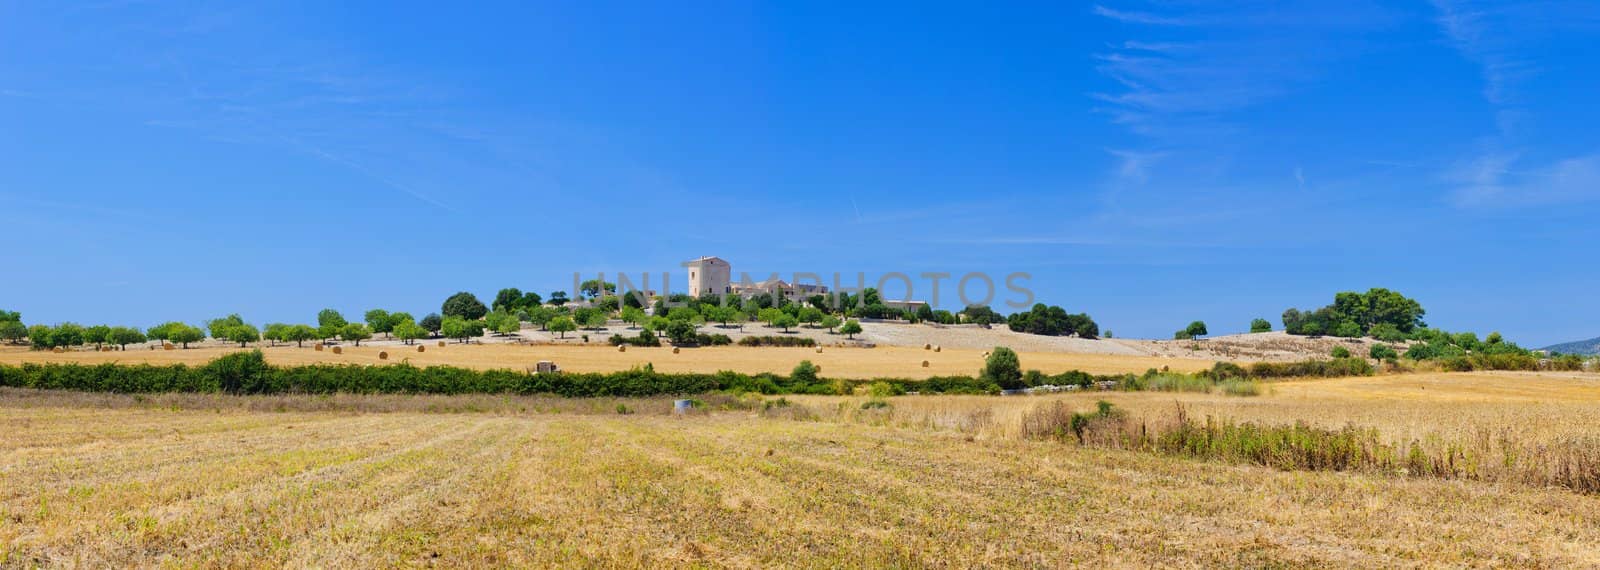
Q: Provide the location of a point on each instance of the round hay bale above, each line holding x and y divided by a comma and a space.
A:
927, 346
924, 364
818, 368
937, 349
168, 346
819, 350
441, 344
674, 350
317, 346
383, 355
338, 350
421, 348
57, 350
622, 348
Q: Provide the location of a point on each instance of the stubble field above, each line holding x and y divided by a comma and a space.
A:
942, 481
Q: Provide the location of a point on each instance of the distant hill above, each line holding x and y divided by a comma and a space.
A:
1591, 346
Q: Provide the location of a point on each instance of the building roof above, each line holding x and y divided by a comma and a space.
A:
708, 258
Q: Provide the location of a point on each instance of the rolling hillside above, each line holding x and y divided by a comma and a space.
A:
1591, 346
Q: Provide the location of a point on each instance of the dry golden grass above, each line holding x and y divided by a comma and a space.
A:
880, 362
140, 486
1535, 406
206, 480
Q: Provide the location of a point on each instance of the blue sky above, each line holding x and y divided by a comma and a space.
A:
1150, 163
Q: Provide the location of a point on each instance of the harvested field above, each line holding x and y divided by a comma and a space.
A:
880, 362
187, 480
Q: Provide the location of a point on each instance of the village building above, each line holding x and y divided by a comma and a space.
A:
713, 274
709, 275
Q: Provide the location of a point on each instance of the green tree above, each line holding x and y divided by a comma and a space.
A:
184, 334
380, 321
810, 316
596, 288
159, 332
96, 335
562, 325
632, 315
786, 322
769, 316
1339, 352
241, 333
541, 315
981, 315
596, 320
657, 323
40, 336
124, 336
850, 328
273, 333
464, 305
329, 323
13, 331
461, 329
507, 324
501, 321
9, 316
408, 331
1196, 329
681, 332
718, 313
804, 373
558, 298
355, 332
1003, 368
66, 334
1382, 352
431, 323
508, 299
530, 300
1260, 326
829, 322
219, 326
299, 334
1386, 332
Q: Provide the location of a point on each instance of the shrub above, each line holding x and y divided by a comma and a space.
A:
1339, 352
1313, 368
805, 371
1260, 326
1168, 382
645, 338
1382, 352
776, 341
1003, 368
1240, 387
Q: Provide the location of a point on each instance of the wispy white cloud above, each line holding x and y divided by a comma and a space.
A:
1481, 37
1135, 165
1489, 181
1139, 17
1500, 38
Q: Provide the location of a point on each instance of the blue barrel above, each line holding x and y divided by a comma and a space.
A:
682, 406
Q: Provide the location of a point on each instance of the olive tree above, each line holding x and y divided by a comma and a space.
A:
124, 336
355, 332
562, 325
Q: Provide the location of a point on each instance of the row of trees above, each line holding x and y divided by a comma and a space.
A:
1053, 321
1377, 312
